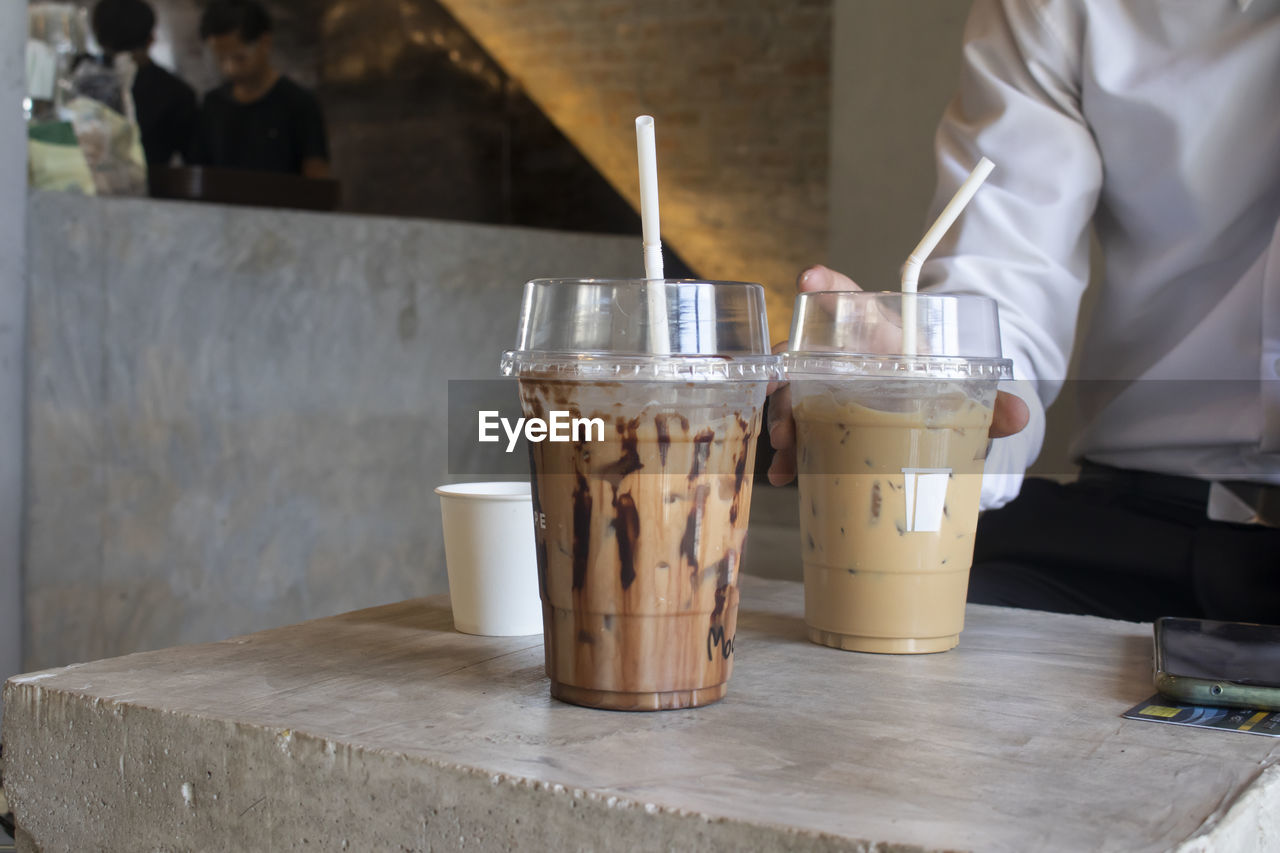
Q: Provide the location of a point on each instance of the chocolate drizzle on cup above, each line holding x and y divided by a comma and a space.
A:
645, 529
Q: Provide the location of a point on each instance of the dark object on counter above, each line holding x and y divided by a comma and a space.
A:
236, 186
1218, 664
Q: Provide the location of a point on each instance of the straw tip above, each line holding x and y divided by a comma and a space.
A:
644, 121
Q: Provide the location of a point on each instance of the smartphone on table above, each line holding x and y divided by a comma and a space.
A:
1223, 664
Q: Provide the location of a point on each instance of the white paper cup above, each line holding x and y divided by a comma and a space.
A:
490, 555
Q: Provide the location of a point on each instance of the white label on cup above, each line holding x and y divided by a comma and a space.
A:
926, 495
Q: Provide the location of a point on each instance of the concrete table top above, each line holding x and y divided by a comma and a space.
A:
384, 729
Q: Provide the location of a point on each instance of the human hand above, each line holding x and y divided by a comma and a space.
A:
1010, 416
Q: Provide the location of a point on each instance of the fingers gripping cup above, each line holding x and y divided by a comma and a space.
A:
641, 516
889, 452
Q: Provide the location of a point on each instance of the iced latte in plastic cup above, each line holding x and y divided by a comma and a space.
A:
889, 454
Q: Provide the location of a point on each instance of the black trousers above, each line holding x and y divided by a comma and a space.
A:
1125, 545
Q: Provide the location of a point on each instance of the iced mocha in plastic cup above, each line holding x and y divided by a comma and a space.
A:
890, 450
641, 527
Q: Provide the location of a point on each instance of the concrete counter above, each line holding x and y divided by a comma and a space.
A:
384, 729
229, 408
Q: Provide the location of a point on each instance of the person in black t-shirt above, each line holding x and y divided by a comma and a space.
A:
165, 105
259, 119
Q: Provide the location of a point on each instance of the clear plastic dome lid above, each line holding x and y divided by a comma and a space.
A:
876, 333
637, 328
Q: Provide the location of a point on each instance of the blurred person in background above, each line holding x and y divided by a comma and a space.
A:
165, 105
259, 119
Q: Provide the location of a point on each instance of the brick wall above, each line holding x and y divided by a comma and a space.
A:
740, 94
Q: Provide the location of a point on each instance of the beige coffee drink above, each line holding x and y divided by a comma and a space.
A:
641, 519
640, 540
889, 504
890, 447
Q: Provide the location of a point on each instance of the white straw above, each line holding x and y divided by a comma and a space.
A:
911, 269
647, 151
930, 240
651, 234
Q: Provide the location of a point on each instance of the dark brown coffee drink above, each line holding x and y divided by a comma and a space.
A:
640, 538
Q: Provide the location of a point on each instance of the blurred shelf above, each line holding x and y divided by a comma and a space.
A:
236, 186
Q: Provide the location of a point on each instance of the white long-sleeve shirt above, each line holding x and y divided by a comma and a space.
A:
1159, 122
